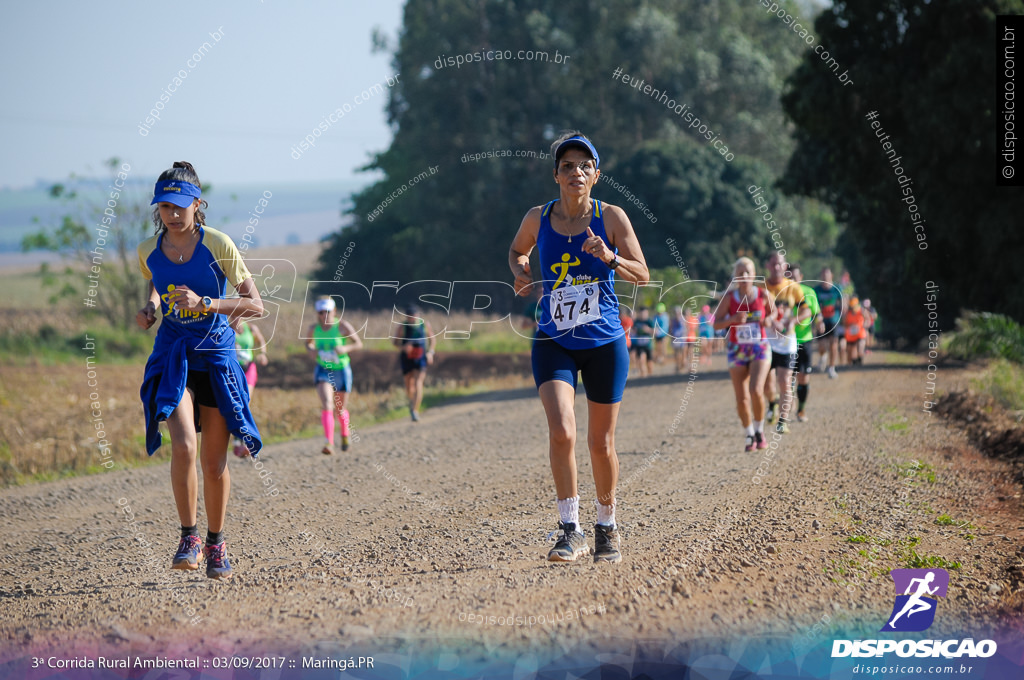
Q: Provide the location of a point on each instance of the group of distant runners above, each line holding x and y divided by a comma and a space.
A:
208, 349
769, 330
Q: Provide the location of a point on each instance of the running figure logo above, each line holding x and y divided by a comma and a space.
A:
562, 268
914, 609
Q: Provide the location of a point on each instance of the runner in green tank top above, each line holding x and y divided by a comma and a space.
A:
805, 344
247, 339
329, 345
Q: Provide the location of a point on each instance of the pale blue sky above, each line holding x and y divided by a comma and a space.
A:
79, 78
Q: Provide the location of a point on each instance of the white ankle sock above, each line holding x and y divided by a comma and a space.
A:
605, 513
749, 430
759, 426
569, 510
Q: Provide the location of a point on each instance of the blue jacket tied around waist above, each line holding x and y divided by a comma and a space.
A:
176, 351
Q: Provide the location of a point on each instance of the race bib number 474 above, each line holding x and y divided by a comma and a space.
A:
575, 305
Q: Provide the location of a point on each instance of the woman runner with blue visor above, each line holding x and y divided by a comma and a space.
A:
583, 244
193, 381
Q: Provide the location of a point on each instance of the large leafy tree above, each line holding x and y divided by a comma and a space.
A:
725, 60
928, 70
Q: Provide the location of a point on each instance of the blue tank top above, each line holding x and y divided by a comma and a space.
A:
578, 309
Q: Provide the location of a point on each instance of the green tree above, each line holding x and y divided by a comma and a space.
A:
704, 206
98, 238
725, 60
928, 70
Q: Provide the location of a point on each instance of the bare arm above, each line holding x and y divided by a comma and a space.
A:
260, 343
349, 332
147, 315
310, 347
632, 265
519, 253
728, 320
431, 342
723, 322
249, 304
257, 336
431, 338
769, 306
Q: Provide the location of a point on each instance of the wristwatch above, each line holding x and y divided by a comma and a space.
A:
614, 263
207, 303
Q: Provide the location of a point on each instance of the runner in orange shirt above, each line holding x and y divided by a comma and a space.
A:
856, 333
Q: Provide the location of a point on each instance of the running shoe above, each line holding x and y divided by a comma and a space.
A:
801, 416
750, 443
187, 557
762, 443
415, 416
217, 565
770, 416
344, 442
782, 427
606, 544
570, 545
832, 372
326, 450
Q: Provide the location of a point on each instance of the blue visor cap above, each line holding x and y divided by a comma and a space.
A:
580, 143
174, 191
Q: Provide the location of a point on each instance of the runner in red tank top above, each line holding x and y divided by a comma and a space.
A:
747, 310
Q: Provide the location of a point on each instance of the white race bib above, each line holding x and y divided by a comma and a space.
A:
328, 357
748, 333
573, 306
783, 344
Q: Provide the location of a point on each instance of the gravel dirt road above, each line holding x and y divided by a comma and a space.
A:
436, 532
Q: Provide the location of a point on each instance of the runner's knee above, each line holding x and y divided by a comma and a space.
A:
185, 450
214, 467
601, 445
562, 435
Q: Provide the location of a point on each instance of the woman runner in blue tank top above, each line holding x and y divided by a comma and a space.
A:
582, 244
192, 378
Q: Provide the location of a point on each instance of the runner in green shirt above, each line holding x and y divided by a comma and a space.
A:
804, 340
330, 344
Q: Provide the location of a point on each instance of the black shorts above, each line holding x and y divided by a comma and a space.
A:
409, 365
641, 349
830, 328
202, 390
804, 361
783, 360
